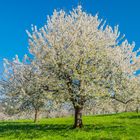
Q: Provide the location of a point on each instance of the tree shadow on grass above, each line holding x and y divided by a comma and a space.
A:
130, 117
106, 115
28, 130
98, 127
31, 130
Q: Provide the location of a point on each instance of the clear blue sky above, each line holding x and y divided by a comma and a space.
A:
17, 15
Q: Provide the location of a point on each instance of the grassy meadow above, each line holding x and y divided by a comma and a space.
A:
123, 126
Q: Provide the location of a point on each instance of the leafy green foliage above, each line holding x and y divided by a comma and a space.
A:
124, 126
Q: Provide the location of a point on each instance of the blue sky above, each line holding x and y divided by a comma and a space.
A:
17, 15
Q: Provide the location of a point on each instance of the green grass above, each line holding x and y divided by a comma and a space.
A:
124, 126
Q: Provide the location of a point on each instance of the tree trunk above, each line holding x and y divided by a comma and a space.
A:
36, 116
78, 117
137, 109
125, 108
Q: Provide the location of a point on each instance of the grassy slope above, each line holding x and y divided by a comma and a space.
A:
124, 126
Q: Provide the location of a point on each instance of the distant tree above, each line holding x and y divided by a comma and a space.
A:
24, 86
135, 95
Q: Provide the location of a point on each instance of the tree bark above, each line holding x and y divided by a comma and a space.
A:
36, 116
137, 109
78, 117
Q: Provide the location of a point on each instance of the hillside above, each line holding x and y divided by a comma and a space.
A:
124, 126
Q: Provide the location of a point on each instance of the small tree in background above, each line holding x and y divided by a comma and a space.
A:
24, 87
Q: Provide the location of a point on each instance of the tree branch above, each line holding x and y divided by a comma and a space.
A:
119, 100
